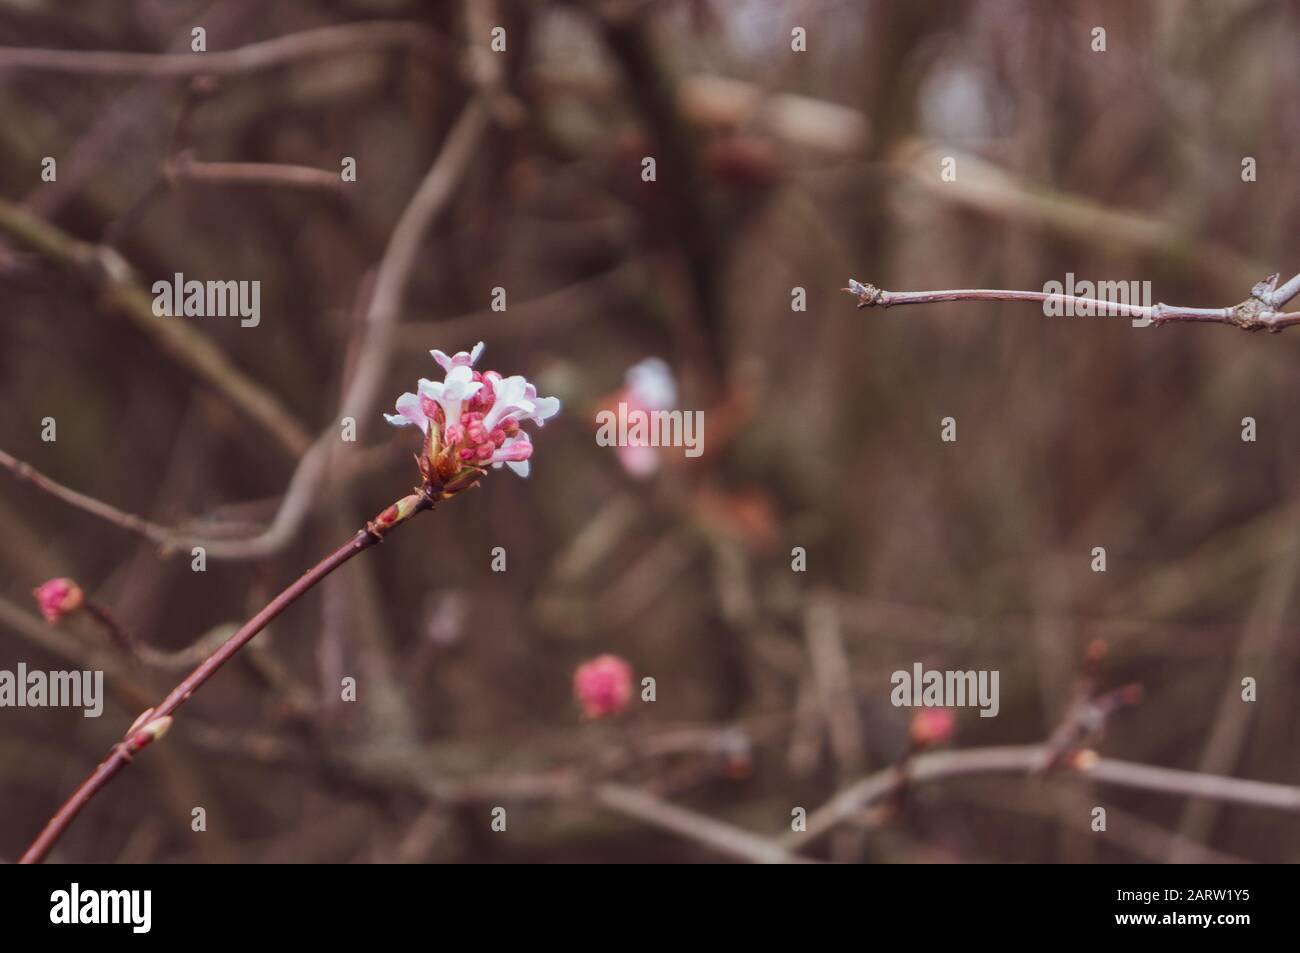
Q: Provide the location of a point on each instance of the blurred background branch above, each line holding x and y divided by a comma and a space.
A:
500, 196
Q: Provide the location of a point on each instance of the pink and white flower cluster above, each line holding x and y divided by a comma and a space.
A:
471, 419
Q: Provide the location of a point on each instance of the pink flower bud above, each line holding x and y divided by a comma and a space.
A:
517, 450
58, 597
932, 726
399, 511
475, 432
603, 686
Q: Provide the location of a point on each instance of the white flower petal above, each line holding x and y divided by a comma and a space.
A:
459, 374
408, 412
544, 409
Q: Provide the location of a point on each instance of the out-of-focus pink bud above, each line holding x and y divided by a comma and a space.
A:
932, 726
648, 386
603, 686
57, 598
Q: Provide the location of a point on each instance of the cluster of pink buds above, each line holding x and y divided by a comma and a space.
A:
603, 686
58, 597
470, 420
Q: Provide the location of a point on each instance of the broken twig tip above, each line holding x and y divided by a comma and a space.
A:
867, 294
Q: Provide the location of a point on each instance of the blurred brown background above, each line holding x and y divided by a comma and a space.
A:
775, 169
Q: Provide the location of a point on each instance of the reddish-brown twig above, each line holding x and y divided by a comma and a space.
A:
149, 725
127, 521
108, 622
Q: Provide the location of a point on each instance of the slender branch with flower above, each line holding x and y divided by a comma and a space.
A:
470, 420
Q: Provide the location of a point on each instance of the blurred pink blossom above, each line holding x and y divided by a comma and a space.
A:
932, 726
58, 597
647, 386
603, 686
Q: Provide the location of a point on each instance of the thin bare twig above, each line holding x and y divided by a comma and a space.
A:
1280, 296
1256, 313
186, 168
362, 394
68, 645
108, 622
104, 268
325, 41
729, 840
127, 521
1027, 759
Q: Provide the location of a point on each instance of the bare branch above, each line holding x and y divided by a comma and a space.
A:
360, 401
731, 841
1027, 759
127, 521
103, 267
1280, 296
1253, 314
324, 41
185, 168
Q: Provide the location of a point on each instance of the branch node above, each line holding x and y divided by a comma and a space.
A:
868, 295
